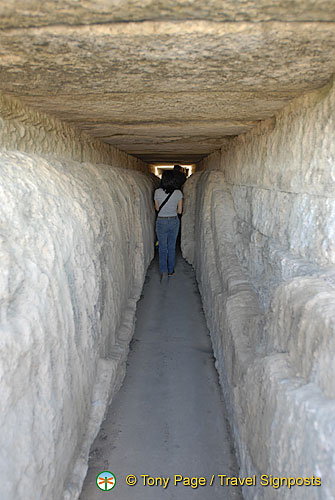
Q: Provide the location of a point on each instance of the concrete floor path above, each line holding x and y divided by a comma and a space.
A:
168, 417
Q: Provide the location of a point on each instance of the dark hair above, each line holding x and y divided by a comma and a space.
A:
177, 167
168, 182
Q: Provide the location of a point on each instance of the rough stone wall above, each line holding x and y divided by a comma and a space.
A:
31, 131
261, 218
76, 239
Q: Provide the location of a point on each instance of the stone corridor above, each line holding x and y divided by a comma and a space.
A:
97, 98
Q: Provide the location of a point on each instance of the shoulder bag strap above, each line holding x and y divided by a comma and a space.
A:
164, 202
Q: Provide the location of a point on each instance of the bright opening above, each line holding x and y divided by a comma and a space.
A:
188, 169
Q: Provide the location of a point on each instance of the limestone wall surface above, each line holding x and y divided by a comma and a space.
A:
25, 129
76, 239
259, 229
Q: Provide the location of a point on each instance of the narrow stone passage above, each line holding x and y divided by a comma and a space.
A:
169, 417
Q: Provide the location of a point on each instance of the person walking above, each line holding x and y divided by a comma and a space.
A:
180, 175
168, 203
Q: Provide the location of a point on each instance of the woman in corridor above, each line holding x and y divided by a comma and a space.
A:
168, 203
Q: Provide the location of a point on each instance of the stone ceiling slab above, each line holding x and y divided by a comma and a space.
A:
165, 57
27, 13
164, 85
134, 108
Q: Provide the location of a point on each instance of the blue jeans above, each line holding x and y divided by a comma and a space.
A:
167, 232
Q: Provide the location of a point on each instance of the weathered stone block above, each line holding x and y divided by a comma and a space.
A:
263, 236
76, 240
